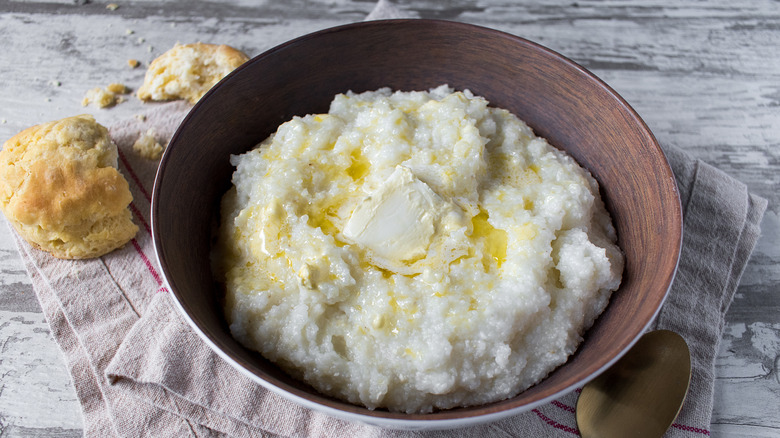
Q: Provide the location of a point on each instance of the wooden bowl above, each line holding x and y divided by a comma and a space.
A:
560, 100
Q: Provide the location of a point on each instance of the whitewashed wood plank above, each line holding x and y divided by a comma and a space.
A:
35, 387
747, 371
16, 294
742, 431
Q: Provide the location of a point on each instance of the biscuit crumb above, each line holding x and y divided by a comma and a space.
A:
105, 97
112, 6
117, 88
140, 117
189, 71
99, 97
133, 63
147, 146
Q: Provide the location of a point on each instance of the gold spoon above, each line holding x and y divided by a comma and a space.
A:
641, 394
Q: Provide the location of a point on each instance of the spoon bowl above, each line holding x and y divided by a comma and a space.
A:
642, 393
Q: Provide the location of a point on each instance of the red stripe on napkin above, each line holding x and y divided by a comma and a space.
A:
555, 424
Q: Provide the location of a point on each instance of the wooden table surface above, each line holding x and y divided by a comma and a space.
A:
704, 75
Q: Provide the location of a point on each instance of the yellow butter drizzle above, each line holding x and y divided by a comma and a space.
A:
359, 167
495, 239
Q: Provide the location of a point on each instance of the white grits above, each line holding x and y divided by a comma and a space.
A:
414, 251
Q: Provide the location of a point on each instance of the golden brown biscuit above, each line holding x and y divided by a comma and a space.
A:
61, 190
189, 71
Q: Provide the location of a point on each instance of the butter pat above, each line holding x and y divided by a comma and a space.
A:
397, 221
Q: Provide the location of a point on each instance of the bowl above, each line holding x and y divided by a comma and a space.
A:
559, 99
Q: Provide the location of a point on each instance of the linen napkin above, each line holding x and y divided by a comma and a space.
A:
140, 370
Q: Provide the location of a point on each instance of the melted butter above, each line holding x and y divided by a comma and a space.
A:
403, 310
472, 304
359, 167
394, 305
528, 177
527, 232
495, 239
385, 273
323, 222
324, 215
510, 172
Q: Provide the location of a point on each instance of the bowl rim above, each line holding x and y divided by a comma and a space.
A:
445, 419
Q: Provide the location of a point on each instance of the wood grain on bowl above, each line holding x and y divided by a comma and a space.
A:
562, 101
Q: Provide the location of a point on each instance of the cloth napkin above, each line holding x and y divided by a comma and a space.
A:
140, 370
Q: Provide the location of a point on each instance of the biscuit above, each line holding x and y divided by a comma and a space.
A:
61, 190
188, 71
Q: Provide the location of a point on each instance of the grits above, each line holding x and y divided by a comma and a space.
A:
414, 251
